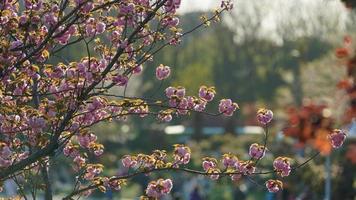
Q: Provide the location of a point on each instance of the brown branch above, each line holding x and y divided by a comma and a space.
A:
47, 182
187, 170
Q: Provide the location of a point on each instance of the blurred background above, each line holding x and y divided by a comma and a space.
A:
276, 54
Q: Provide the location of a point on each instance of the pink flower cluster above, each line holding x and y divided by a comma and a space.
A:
210, 166
33, 5
64, 37
264, 116
165, 116
93, 27
274, 185
85, 140
112, 183
232, 165
92, 171
282, 166
257, 151
88, 141
120, 80
129, 162
230, 161
72, 151
246, 167
337, 138
172, 5
159, 188
50, 18
170, 21
178, 92
183, 104
36, 124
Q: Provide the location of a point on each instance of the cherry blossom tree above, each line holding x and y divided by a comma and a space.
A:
47, 107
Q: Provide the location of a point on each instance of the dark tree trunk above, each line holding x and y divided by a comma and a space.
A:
198, 127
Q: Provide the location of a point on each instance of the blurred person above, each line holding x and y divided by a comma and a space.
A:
10, 188
195, 195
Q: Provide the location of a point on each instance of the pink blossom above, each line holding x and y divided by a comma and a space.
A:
72, 30
23, 19
207, 93
181, 154
137, 69
264, 116
98, 152
120, 80
90, 30
55, 8
86, 139
20, 89
282, 166
173, 102
100, 27
159, 188
15, 44
112, 184
170, 91
80, 161
87, 7
178, 92
50, 19
23, 156
162, 72
227, 107
229, 160
210, 167
5, 162
92, 171
129, 162
199, 106
208, 164
170, 21
257, 151
70, 150
127, 9
274, 185
337, 138
33, 5
214, 175
172, 5
37, 123
166, 117
183, 107
246, 168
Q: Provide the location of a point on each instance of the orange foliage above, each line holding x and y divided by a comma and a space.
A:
321, 141
342, 52
307, 122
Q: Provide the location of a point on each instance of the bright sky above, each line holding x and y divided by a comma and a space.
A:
271, 13
194, 5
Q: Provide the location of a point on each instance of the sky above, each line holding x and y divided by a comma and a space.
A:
277, 12
194, 5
